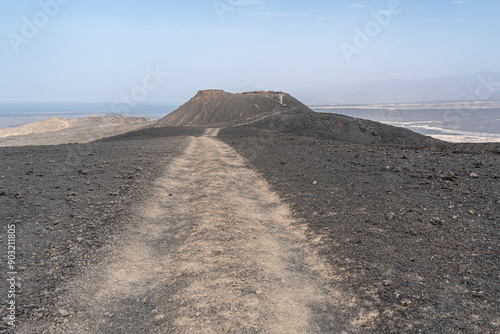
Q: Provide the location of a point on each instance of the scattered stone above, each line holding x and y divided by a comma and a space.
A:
63, 313
387, 282
436, 221
390, 215
478, 294
450, 177
406, 303
408, 221
18, 195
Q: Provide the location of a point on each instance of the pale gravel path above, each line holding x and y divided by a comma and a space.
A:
212, 250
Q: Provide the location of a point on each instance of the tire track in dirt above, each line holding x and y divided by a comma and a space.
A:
212, 250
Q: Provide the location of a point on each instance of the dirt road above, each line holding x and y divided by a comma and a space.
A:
211, 250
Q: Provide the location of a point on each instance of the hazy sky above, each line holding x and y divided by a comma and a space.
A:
101, 51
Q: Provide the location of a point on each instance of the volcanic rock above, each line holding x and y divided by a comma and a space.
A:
217, 108
280, 112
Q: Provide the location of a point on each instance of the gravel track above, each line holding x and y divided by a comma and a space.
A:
210, 249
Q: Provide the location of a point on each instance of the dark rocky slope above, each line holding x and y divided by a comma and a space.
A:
67, 202
411, 234
281, 112
343, 128
216, 108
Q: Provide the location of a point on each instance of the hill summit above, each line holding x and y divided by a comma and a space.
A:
278, 111
217, 108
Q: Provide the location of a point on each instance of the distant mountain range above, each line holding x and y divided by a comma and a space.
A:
481, 86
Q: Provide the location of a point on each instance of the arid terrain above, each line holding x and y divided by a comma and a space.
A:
55, 130
250, 213
473, 121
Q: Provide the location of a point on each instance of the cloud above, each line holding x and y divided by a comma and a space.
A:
458, 2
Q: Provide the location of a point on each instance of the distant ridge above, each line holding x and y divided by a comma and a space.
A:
480, 86
56, 131
278, 111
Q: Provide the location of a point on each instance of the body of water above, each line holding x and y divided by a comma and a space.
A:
16, 114
428, 122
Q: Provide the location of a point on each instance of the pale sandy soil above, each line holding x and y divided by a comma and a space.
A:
212, 228
76, 134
